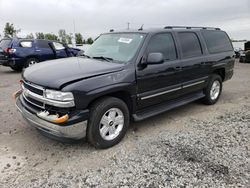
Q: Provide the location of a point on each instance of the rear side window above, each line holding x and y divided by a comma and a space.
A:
190, 44
217, 41
26, 44
43, 44
163, 43
5, 43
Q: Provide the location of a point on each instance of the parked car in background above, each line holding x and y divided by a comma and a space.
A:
123, 76
242, 57
237, 52
22, 53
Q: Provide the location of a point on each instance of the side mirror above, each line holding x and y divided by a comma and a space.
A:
155, 58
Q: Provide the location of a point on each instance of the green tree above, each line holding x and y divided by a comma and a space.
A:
30, 36
40, 35
10, 30
62, 35
50, 36
79, 39
69, 38
90, 41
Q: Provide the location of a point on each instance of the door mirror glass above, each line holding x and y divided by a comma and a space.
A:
155, 58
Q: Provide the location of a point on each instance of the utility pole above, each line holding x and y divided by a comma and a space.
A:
74, 34
128, 26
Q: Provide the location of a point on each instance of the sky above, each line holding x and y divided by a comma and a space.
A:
92, 17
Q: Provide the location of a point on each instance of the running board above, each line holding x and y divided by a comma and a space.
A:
160, 108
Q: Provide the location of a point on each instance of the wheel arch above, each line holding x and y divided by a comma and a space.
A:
123, 95
221, 72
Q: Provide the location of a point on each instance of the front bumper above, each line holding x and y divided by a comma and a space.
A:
75, 131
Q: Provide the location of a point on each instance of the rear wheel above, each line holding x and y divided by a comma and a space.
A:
213, 90
108, 122
16, 68
30, 62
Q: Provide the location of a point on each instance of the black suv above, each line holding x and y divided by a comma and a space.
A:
125, 76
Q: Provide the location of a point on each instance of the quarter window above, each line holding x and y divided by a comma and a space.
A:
163, 43
190, 45
217, 41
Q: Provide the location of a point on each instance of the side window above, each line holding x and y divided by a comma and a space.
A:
190, 44
163, 43
26, 44
43, 44
217, 41
58, 46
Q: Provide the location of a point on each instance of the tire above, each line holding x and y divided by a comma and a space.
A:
16, 68
30, 62
215, 84
107, 110
241, 60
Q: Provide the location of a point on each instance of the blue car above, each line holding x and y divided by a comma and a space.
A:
22, 53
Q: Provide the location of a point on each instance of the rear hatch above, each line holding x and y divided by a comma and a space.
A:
4, 45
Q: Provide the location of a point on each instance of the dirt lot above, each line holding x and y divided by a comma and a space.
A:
195, 145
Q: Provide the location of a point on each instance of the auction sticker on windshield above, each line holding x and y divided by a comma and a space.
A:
125, 40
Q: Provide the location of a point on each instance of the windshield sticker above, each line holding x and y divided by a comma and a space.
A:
125, 40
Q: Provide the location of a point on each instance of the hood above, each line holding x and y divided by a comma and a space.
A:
55, 73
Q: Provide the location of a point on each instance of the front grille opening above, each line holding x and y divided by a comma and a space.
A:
33, 89
34, 101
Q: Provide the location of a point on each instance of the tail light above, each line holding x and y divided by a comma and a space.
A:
10, 50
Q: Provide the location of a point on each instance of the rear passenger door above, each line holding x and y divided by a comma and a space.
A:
160, 82
44, 51
194, 67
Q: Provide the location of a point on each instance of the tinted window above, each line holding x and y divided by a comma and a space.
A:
163, 43
43, 44
217, 41
190, 45
26, 44
5, 43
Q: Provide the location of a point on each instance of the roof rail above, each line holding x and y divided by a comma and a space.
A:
190, 27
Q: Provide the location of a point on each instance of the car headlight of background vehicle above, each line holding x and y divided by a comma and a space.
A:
58, 95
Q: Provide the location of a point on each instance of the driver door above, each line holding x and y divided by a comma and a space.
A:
157, 83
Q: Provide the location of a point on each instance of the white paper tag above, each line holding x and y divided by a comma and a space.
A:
125, 40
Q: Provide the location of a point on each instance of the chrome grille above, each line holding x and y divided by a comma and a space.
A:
37, 90
35, 95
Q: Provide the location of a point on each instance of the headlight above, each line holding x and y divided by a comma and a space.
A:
58, 95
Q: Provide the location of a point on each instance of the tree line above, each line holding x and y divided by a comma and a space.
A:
63, 36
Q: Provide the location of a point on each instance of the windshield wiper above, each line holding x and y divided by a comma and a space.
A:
104, 58
83, 55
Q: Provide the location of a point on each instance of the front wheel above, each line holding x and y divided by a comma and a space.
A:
30, 62
213, 90
108, 122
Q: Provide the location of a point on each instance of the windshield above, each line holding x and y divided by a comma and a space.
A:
4, 43
116, 46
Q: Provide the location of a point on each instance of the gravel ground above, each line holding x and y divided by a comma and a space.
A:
192, 146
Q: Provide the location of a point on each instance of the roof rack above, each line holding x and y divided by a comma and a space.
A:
189, 27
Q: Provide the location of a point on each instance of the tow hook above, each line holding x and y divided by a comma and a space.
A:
52, 117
